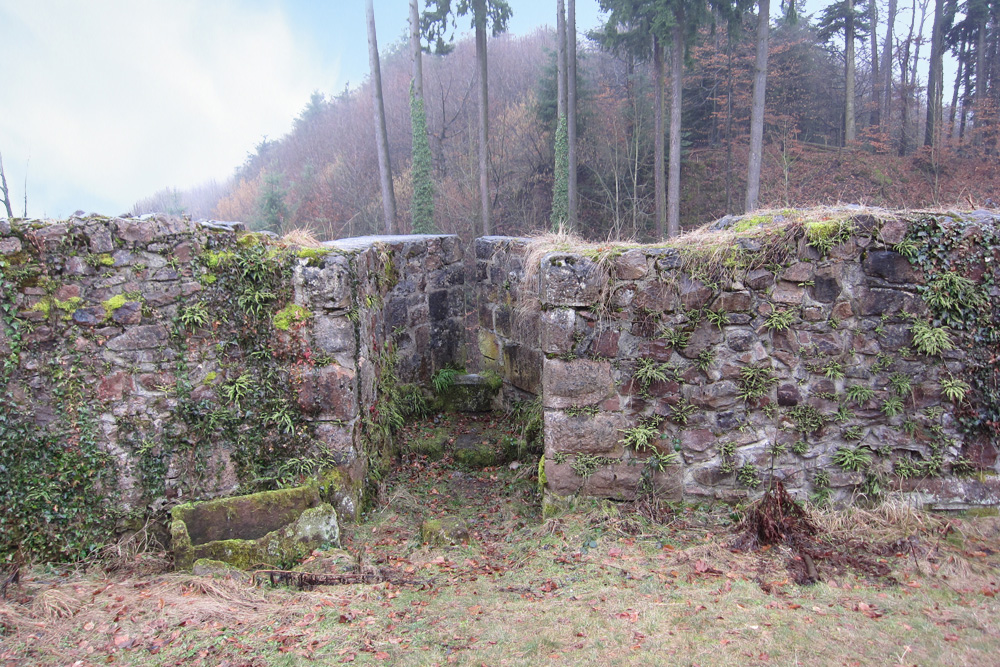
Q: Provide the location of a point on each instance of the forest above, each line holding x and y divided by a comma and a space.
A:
680, 112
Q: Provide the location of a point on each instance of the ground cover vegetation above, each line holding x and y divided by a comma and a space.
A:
635, 583
897, 141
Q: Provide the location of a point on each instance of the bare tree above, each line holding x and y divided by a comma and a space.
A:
6, 193
381, 136
886, 70
571, 111
757, 105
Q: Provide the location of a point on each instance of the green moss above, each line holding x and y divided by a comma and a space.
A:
113, 304
210, 377
207, 279
542, 479
216, 260
290, 315
312, 253
43, 306
752, 222
104, 259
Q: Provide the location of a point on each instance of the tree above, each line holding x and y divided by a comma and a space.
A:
935, 76
423, 185
272, 211
640, 28
885, 89
4, 192
572, 195
485, 14
757, 106
842, 17
560, 172
381, 136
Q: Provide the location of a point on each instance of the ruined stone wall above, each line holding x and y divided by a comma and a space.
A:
148, 361
776, 347
508, 334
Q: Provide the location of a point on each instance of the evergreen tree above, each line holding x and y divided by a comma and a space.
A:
272, 211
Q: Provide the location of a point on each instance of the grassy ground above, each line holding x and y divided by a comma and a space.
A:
641, 584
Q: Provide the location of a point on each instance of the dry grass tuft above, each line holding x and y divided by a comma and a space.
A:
137, 553
301, 237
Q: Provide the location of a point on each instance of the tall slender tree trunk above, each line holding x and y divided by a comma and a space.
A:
381, 136
906, 83
5, 193
981, 75
415, 51
560, 59
850, 126
876, 102
963, 54
757, 106
885, 104
571, 112
674, 166
935, 77
484, 118
659, 172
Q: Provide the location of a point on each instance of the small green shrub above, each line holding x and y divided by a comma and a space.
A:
954, 389
860, 393
852, 460
444, 379
930, 340
779, 320
748, 475
755, 381
892, 406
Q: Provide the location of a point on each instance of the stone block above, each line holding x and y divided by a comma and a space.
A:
327, 286
327, 392
605, 344
693, 293
733, 302
891, 267
617, 480
570, 280
788, 293
333, 335
799, 272
558, 327
632, 265
599, 434
523, 367
140, 338
578, 382
10, 246
705, 336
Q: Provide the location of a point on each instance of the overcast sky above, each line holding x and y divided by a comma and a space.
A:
104, 102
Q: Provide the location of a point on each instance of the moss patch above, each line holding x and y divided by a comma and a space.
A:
290, 315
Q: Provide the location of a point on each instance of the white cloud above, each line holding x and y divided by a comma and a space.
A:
114, 99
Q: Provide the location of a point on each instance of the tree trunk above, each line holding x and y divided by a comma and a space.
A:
876, 80
981, 67
659, 173
571, 112
757, 106
885, 103
415, 51
5, 193
484, 119
850, 127
381, 137
674, 167
560, 59
963, 54
935, 77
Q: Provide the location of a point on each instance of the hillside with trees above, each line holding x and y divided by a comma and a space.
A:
807, 112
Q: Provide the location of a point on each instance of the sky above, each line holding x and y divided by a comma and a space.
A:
104, 102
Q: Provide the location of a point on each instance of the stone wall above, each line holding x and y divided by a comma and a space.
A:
149, 361
770, 346
508, 332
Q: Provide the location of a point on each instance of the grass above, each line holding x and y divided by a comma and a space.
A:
612, 584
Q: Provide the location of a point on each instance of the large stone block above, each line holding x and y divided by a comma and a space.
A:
570, 280
328, 392
327, 286
558, 327
523, 367
599, 434
578, 382
140, 338
890, 266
